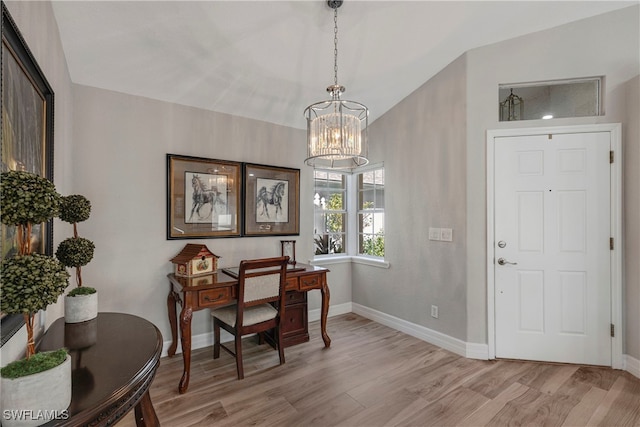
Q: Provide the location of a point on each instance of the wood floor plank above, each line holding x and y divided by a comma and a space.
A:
598, 376
501, 376
394, 404
325, 413
437, 383
547, 378
484, 414
373, 376
253, 412
535, 408
449, 410
621, 405
583, 411
371, 392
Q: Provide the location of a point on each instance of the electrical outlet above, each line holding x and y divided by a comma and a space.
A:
434, 233
434, 311
446, 234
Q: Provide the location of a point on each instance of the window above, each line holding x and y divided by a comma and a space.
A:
330, 212
551, 99
371, 213
349, 213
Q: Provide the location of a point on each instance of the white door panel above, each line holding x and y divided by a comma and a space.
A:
552, 215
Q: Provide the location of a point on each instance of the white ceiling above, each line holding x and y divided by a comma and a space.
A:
268, 60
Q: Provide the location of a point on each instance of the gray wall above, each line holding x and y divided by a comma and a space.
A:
631, 212
422, 142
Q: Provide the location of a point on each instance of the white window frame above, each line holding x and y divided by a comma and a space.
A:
345, 210
357, 211
351, 227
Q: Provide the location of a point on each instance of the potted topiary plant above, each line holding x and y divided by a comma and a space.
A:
81, 304
30, 282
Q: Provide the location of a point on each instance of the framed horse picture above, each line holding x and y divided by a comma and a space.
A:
203, 198
271, 200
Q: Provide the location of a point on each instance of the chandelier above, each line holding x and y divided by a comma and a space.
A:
336, 129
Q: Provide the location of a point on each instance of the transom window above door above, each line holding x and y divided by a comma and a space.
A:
550, 100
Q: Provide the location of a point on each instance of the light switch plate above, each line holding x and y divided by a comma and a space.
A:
434, 233
446, 234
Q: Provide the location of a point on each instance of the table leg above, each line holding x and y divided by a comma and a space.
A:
173, 321
185, 338
324, 313
145, 414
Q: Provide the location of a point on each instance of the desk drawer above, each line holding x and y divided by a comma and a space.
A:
295, 321
214, 297
292, 284
309, 282
294, 297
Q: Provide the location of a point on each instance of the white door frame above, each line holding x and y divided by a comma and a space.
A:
616, 226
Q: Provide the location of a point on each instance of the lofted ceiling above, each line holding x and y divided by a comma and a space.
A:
268, 60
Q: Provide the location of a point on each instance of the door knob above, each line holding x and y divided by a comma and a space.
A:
503, 261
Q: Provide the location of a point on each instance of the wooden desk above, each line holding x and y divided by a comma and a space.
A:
114, 359
218, 289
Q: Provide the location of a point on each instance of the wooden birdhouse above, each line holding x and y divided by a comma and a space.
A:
194, 260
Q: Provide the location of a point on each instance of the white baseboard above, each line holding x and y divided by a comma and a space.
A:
631, 365
462, 348
334, 310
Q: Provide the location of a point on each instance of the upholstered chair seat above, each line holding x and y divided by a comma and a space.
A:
252, 315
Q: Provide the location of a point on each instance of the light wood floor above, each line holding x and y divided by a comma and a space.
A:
375, 376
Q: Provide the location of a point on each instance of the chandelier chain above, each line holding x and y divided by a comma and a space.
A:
335, 46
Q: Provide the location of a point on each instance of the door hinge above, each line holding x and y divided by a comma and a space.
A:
611, 156
613, 330
611, 243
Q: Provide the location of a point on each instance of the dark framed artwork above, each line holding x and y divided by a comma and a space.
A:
27, 137
271, 200
203, 198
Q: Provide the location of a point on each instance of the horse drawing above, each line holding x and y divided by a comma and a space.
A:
202, 196
272, 197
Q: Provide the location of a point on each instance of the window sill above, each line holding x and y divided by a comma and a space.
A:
350, 259
341, 259
374, 262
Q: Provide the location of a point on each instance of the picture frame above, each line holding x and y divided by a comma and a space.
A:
203, 198
28, 119
271, 200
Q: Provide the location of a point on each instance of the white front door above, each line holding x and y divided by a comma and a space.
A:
552, 217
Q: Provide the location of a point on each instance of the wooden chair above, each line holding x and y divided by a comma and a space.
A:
260, 282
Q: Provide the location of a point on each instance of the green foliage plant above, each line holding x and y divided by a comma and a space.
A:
27, 199
328, 244
85, 290
74, 209
29, 281
374, 245
39, 362
75, 251
331, 243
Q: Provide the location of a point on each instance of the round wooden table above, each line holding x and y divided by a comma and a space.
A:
114, 358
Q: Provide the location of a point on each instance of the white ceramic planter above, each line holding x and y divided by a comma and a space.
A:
37, 399
80, 308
